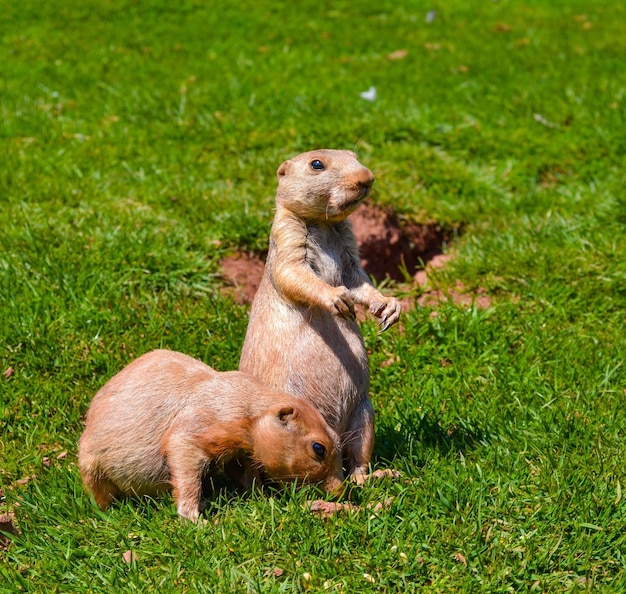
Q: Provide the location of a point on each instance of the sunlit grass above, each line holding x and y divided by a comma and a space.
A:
139, 145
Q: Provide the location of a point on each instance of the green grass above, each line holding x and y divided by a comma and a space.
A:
139, 144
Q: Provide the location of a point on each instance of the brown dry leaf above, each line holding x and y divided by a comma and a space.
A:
25, 480
129, 557
7, 525
329, 508
61, 455
383, 473
432, 46
460, 558
375, 507
503, 27
275, 571
8, 372
398, 54
390, 361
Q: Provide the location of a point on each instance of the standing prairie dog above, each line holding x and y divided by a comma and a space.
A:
302, 336
166, 420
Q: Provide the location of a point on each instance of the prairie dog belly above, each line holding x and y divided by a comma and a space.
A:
334, 369
326, 255
323, 359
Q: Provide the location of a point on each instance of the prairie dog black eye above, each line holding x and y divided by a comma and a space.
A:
319, 449
317, 165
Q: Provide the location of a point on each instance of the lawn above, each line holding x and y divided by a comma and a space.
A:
138, 147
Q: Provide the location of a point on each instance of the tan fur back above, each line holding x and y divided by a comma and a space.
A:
166, 406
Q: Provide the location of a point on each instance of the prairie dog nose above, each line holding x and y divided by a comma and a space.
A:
364, 179
335, 485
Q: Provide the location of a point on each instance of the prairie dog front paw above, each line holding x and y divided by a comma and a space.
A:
340, 302
388, 311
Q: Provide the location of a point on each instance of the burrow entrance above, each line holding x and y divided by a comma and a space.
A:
390, 247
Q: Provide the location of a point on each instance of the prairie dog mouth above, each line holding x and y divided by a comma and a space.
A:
351, 204
354, 196
365, 191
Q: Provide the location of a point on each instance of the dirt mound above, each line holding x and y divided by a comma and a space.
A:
393, 248
389, 247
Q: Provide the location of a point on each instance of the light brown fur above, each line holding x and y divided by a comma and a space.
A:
166, 419
302, 335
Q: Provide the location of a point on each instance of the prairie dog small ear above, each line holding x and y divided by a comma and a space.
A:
283, 169
286, 414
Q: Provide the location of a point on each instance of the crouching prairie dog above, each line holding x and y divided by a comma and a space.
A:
166, 420
302, 336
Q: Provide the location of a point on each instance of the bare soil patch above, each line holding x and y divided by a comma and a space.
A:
243, 271
390, 247
459, 295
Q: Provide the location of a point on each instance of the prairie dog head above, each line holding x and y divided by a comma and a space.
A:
293, 442
325, 185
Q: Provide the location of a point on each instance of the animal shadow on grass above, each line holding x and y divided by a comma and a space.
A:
217, 489
420, 431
